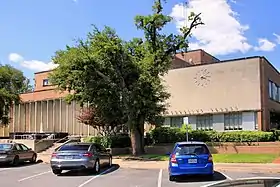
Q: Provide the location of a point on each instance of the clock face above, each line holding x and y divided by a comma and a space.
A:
202, 77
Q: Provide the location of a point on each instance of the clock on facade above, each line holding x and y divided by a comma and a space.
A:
202, 77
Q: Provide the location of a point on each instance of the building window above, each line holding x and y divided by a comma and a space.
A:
176, 121
204, 122
45, 82
274, 91
233, 121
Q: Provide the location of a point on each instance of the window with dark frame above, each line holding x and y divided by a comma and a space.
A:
233, 121
204, 122
273, 91
45, 82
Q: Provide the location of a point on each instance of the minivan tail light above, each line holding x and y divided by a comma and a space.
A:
210, 158
87, 154
173, 158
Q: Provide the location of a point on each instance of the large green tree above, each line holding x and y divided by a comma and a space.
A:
122, 79
12, 83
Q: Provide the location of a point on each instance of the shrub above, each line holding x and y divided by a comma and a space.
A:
116, 141
173, 134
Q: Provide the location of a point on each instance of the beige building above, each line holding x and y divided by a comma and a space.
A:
237, 94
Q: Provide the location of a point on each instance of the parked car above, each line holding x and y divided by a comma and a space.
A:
190, 158
78, 155
15, 153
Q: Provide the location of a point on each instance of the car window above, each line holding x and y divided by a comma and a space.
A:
74, 147
4, 147
197, 149
18, 148
24, 147
97, 147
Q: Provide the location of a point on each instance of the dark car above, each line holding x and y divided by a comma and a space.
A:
77, 155
249, 182
190, 158
15, 153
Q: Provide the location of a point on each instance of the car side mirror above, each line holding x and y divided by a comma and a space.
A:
29, 149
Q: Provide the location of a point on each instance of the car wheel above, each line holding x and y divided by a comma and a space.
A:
34, 158
97, 166
57, 171
110, 162
15, 162
172, 178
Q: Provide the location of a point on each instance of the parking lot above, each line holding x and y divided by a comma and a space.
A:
40, 174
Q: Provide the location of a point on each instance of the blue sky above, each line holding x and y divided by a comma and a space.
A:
31, 31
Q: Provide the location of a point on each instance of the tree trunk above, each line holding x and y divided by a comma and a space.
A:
137, 138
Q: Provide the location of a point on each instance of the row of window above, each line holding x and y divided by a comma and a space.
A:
232, 121
274, 91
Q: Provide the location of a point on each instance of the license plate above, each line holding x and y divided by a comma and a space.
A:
68, 157
192, 161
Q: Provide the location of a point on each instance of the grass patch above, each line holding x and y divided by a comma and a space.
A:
218, 158
244, 158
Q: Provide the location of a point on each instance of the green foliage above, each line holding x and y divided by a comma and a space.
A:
116, 141
173, 134
122, 79
12, 83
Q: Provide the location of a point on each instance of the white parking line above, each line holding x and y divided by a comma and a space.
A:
159, 178
32, 176
5, 169
229, 178
96, 176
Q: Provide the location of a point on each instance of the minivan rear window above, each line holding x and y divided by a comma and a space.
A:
191, 149
74, 148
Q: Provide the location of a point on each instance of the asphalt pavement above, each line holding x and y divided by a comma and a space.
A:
41, 175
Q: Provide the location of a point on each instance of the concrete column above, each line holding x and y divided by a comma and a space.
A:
14, 116
35, 113
30, 122
60, 111
67, 116
53, 110
19, 117
47, 120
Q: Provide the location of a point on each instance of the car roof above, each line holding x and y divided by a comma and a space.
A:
190, 143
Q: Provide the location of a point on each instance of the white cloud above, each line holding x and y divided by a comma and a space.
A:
222, 33
34, 65
277, 38
265, 45
14, 57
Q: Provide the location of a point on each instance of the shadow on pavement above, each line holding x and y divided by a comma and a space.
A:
22, 164
200, 178
103, 171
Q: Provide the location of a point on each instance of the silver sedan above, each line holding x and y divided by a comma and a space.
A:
14, 153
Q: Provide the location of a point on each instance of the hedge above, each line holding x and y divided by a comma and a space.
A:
162, 135
172, 135
116, 141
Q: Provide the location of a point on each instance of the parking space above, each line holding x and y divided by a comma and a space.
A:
40, 174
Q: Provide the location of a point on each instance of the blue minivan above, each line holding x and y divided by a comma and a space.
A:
190, 158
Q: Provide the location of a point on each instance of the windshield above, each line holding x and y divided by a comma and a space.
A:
5, 147
74, 148
191, 149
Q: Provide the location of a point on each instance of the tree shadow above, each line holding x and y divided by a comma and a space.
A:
103, 171
22, 164
200, 178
